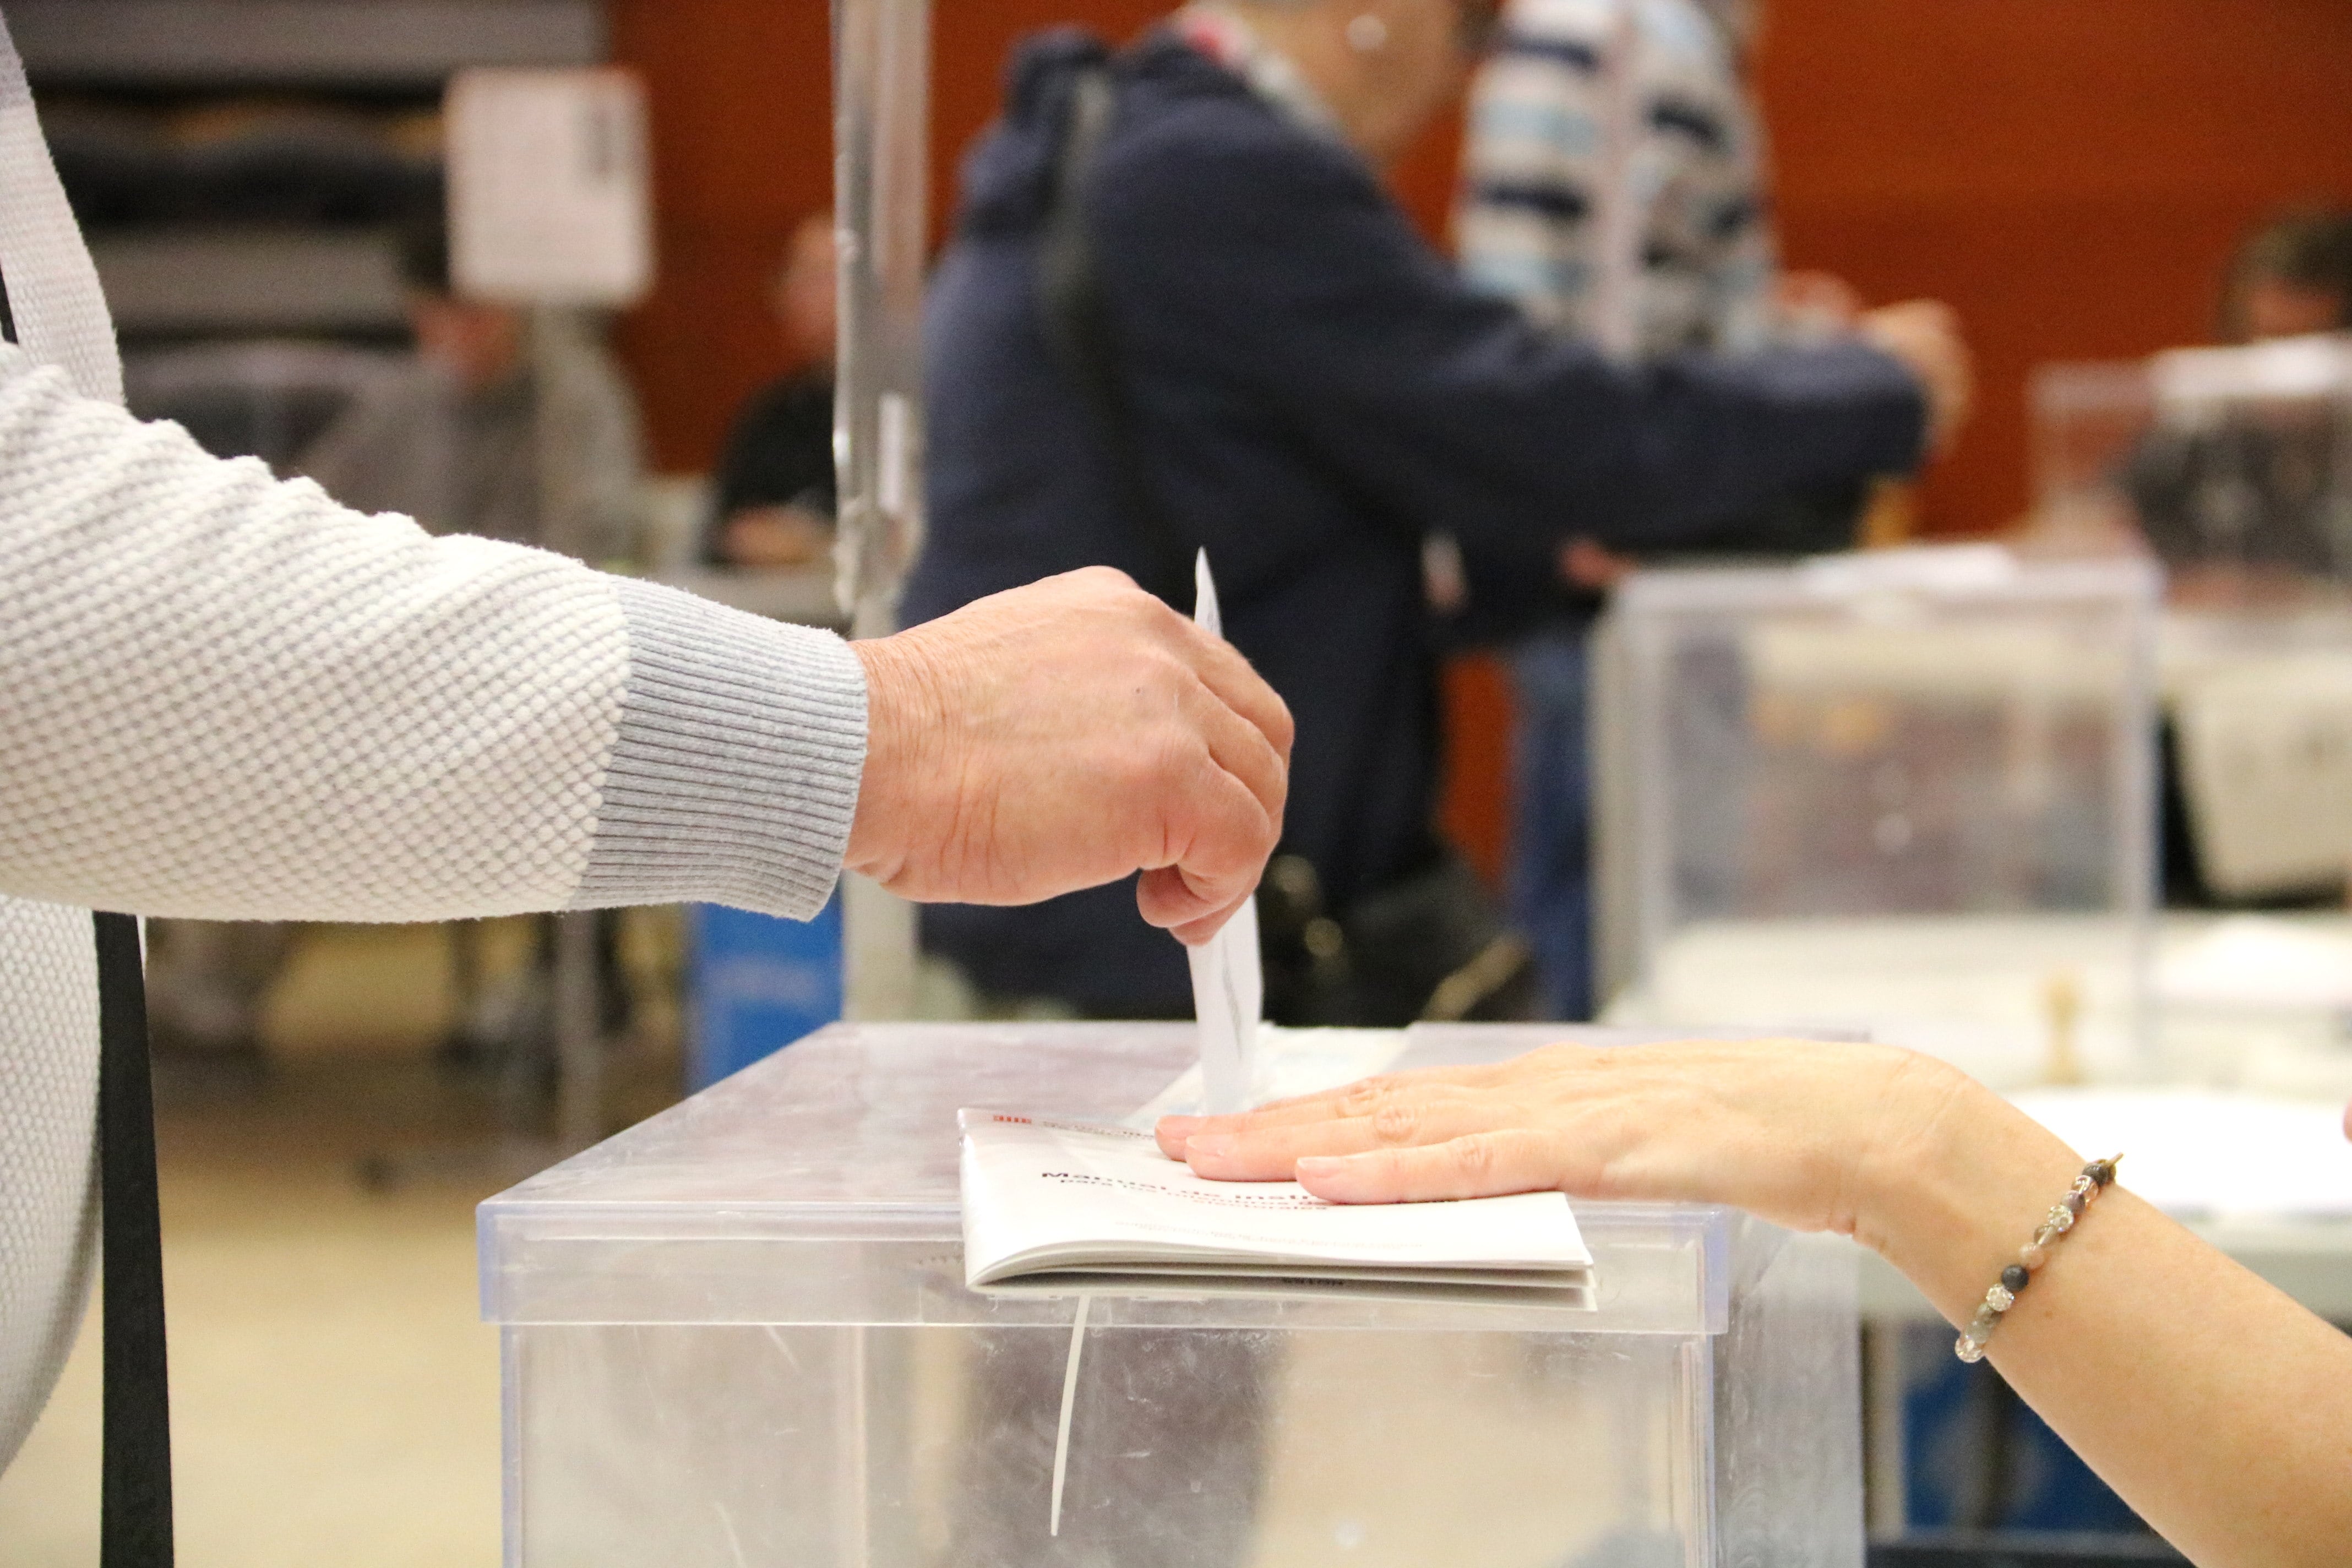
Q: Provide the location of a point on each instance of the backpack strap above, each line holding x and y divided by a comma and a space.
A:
1080, 333
135, 1490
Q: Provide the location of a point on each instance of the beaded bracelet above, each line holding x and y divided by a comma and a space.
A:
2095, 1179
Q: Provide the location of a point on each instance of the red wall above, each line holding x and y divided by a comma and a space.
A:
2070, 173
741, 100
2071, 176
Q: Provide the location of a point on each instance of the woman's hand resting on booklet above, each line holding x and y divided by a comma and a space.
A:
1803, 1133
2214, 1405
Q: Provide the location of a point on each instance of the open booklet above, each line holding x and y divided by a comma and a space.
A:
1070, 1205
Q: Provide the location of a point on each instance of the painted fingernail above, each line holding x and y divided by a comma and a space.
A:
1210, 1143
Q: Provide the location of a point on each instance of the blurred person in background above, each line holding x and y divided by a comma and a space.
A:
774, 501
486, 433
1213, 327
1584, 105
2293, 276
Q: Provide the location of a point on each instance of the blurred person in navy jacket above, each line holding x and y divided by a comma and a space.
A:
1310, 392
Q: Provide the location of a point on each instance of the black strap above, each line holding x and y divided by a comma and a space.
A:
135, 1529
1080, 333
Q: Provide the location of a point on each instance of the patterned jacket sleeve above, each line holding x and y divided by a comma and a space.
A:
226, 697
1532, 166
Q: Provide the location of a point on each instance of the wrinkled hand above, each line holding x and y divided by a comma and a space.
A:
1925, 334
1060, 736
1809, 1135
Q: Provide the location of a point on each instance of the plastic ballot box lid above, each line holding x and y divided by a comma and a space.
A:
819, 1187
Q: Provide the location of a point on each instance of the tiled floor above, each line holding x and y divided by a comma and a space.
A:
335, 1399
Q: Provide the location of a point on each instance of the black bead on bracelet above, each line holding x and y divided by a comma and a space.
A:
2096, 1179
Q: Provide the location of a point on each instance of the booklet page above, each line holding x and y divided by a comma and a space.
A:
1046, 1194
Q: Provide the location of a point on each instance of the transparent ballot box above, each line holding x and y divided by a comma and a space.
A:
2233, 466
739, 1333
1908, 794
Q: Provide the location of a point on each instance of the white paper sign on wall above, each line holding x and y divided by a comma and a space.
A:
549, 201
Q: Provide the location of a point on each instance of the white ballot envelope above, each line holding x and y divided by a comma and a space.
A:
1228, 981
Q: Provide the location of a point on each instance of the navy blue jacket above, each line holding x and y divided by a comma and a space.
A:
1314, 391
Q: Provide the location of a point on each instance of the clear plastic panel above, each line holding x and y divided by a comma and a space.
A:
1907, 794
881, 125
2086, 420
881, 75
739, 1332
819, 1186
1193, 1446
2232, 466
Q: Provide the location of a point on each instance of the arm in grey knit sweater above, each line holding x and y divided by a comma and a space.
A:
224, 696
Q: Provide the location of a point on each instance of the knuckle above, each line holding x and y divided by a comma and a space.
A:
1173, 757
1396, 1123
1156, 675
1153, 776
1169, 671
1473, 1158
1151, 615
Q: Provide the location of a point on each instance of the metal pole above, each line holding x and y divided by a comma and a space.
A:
579, 1044
881, 155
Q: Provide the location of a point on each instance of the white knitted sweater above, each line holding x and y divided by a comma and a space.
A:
226, 696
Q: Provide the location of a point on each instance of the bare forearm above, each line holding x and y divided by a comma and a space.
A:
2213, 1403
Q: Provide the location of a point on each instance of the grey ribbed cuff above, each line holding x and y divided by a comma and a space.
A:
734, 775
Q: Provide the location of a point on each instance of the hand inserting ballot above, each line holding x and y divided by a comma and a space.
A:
1060, 736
